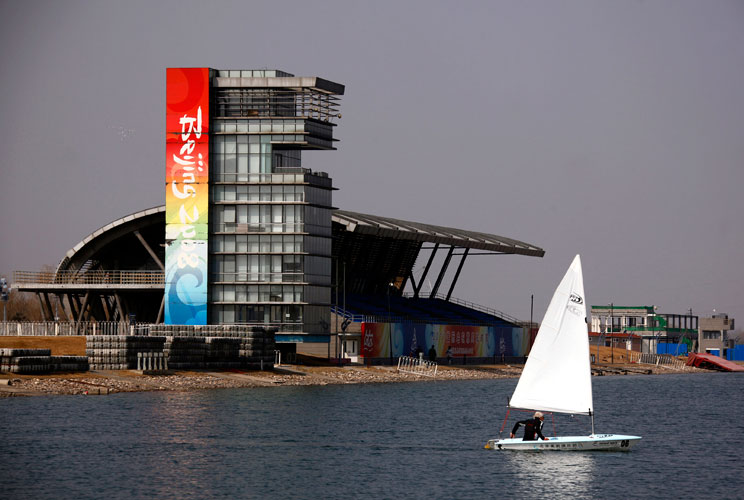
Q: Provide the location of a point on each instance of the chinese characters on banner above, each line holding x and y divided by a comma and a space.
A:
186, 195
380, 340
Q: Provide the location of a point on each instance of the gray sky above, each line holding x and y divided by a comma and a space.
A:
606, 128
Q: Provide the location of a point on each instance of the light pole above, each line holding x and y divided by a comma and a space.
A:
612, 339
390, 324
4, 296
532, 307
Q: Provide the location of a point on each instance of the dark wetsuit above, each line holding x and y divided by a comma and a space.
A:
532, 426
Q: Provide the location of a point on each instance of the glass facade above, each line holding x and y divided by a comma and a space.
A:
269, 218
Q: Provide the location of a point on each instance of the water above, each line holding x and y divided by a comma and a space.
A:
416, 440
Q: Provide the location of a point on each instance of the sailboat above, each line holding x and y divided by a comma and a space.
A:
557, 377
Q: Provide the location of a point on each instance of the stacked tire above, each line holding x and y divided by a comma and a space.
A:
223, 352
28, 361
136, 344
185, 353
119, 352
106, 352
25, 360
68, 363
257, 349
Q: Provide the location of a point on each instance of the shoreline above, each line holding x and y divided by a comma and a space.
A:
103, 382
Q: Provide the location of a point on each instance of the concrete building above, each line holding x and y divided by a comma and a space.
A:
714, 335
241, 211
643, 328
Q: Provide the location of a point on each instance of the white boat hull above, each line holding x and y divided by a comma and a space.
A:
596, 442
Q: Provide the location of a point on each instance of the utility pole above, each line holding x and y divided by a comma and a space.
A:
4, 296
390, 325
532, 306
612, 339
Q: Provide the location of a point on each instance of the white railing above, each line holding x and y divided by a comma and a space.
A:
62, 328
470, 305
417, 366
96, 277
667, 360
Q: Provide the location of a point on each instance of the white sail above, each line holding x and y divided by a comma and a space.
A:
557, 375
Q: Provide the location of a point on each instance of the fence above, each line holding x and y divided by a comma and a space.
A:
417, 366
657, 359
470, 305
91, 277
62, 328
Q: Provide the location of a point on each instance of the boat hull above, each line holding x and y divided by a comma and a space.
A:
596, 442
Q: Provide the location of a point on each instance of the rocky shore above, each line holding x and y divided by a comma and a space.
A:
110, 382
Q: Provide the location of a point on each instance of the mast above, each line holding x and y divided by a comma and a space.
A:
592, 415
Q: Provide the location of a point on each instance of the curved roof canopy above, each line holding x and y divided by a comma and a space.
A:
351, 222
371, 252
386, 227
109, 245
374, 251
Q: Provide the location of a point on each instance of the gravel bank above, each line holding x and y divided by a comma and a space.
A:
110, 382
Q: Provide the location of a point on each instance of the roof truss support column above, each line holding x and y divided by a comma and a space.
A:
457, 274
413, 283
83, 307
106, 307
78, 306
159, 319
73, 310
44, 315
149, 250
445, 265
426, 271
61, 302
119, 306
52, 316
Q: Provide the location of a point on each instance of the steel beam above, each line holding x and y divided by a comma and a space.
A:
457, 274
440, 277
413, 281
41, 307
61, 302
149, 250
82, 312
119, 306
426, 270
72, 303
159, 319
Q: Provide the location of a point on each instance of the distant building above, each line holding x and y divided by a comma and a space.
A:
642, 328
713, 337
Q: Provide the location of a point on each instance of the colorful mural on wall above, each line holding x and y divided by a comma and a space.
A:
470, 341
186, 195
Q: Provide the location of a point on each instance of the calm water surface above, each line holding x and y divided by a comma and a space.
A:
415, 440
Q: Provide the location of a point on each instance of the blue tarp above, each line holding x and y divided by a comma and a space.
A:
735, 354
671, 348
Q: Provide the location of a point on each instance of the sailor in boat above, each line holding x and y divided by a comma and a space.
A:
532, 427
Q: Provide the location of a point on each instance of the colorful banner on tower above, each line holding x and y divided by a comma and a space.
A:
407, 339
186, 195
